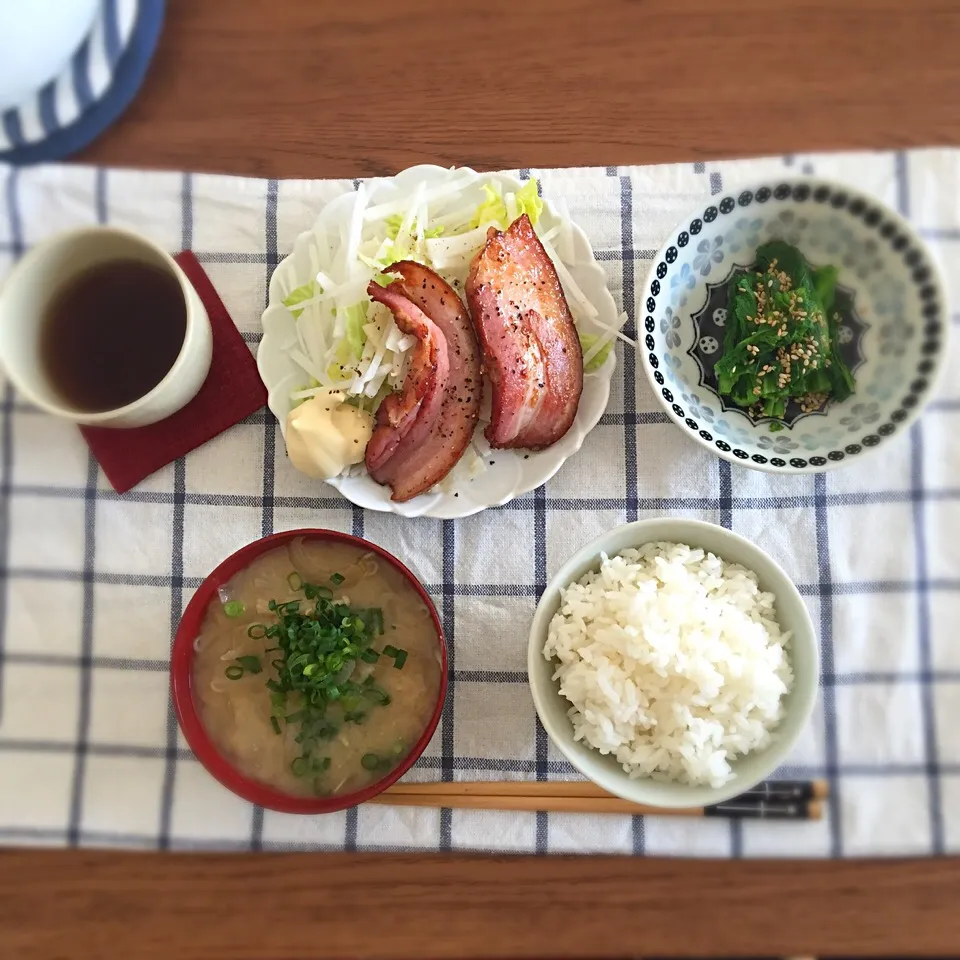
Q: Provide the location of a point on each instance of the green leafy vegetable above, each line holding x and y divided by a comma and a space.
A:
354, 335
587, 342
337, 578
395, 221
529, 202
780, 344
493, 209
307, 292
250, 664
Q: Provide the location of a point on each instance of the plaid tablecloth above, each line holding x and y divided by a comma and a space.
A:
92, 584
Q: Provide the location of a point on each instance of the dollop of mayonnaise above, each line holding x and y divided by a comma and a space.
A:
324, 435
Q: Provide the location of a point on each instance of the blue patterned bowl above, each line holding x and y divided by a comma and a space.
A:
894, 321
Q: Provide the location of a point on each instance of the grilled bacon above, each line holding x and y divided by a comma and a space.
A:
531, 350
422, 458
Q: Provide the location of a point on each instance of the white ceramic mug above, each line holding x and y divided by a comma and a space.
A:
35, 281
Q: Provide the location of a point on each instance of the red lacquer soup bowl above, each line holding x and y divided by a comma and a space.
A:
181, 678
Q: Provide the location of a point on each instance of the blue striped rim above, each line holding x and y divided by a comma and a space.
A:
80, 71
48, 108
111, 33
131, 68
11, 127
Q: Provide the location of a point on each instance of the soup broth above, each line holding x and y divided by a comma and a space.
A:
302, 742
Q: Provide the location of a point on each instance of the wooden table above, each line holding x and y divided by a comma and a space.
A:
306, 89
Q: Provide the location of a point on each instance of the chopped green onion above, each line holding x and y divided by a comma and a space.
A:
390, 651
250, 664
314, 649
234, 608
328, 731
400, 659
299, 766
399, 748
377, 695
233, 672
370, 761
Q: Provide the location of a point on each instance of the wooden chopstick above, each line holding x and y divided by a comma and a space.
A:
784, 790
750, 808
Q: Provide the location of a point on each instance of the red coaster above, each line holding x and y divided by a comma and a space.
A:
232, 391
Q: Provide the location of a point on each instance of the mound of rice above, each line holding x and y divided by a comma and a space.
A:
673, 661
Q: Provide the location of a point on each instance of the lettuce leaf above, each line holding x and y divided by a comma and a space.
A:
395, 221
587, 342
529, 202
494, 209
354, 337
306, 292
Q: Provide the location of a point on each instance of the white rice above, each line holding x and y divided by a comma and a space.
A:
673, 661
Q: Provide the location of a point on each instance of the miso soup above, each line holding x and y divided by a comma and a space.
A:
318, 669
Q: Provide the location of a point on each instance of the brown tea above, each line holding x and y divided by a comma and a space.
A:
112, 333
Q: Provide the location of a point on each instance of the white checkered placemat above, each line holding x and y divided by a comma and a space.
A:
92, 583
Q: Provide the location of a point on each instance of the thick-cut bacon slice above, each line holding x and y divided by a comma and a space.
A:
531, 350
417, 464
411, 413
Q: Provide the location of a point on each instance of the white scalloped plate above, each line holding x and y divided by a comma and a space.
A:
509, 473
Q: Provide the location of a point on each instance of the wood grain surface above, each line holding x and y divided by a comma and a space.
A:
280, 907
309, 89
282, 88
